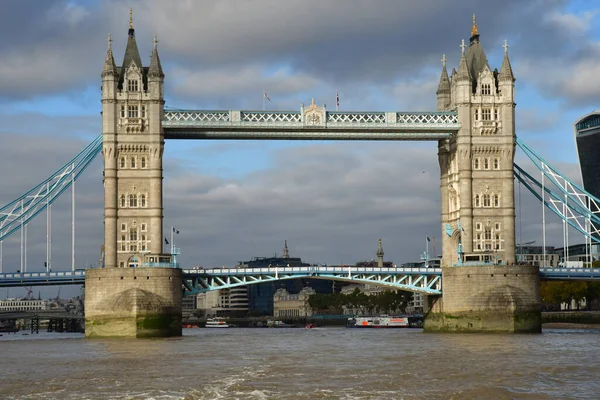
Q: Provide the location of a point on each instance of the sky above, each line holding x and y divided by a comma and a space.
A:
232, 200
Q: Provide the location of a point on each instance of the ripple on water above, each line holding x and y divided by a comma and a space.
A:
301, 364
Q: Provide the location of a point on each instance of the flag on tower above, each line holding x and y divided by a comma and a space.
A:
166, 241
429, 240
175, 231
267, 97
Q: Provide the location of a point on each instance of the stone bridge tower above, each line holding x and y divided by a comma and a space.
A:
126, 298
482, 289
478, 213
133, 142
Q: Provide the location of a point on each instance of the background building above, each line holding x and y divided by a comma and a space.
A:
534, 255
587, 139
286, 305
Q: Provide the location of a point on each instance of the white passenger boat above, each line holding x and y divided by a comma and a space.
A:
383, 321
216, 322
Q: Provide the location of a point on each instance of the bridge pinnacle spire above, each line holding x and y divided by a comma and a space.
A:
463, 68
155, 70
506, 72
286, 254
474, 29
443, 90
444, 85
110, 68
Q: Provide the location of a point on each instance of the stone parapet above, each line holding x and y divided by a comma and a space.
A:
133, 302
487, 298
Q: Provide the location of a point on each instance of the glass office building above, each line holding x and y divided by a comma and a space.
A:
587, 139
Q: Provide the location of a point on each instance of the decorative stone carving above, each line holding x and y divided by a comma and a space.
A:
314, 115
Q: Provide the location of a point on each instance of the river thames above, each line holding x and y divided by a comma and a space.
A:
322, 363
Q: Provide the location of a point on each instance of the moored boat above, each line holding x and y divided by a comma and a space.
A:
276, 324
216, 322
383, 321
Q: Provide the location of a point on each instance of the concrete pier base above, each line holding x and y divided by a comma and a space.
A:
133, 302
487, 298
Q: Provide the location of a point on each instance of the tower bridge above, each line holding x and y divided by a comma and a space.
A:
474, 127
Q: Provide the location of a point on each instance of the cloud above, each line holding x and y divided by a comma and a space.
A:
331, 201
343, 43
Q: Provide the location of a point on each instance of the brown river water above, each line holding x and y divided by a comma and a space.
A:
322, 363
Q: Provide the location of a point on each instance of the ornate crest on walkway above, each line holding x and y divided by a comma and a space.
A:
314, 115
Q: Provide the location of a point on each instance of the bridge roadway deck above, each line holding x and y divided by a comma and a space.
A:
311, 125
200, 280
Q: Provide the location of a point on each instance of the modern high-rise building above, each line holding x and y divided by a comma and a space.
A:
587, 138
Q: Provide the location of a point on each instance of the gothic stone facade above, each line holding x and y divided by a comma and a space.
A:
478, 214
133, 143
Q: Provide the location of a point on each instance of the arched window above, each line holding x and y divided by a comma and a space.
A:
143, 162
122, 162
133, 200
122, 111
496, 163
476, 114
143, 200
486, 200
143, 111
486, 163
122, 200
477, 201
476, 163
133, 235
496, 200
132, 162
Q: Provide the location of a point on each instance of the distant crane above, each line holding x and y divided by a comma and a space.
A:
29, 294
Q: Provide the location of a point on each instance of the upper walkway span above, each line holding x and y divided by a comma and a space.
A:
312, 124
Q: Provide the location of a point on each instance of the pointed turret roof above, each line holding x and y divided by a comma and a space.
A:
155, 69
506, 72
110, 68
463, 72
476, 58
132, 53
444, 85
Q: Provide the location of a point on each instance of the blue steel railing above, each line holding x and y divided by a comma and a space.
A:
159, 265
193, 277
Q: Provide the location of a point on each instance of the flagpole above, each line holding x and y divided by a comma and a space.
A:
172, 245
263, 96
426, 250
